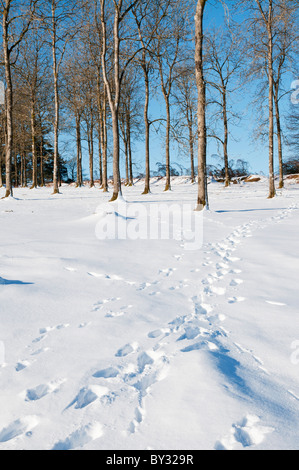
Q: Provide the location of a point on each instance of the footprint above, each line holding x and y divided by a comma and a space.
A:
234, 300
109, 373
248, 433
98, 275
48, 329
167, 272
88, 395
232, 259
201, 345
41, 391
40, 351
18, 428
158, 333
126, 350
81, 437
143, 360
99, 305
84, 325
143, 286
114, 314
215, 290
22, 365
236, 282
139, 418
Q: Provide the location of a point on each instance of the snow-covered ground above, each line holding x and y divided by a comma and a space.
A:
122, 344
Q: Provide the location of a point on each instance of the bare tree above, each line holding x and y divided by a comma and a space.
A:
148, 16
223, 59
59, 20
202, 200
17, 17
185, 100
120, 11
170, 37
32, 70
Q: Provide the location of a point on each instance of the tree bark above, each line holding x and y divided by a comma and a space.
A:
279, 136
225, 142
202, 199
147, 132
9, 103
56, 102
33, 146
79, 151
271, 107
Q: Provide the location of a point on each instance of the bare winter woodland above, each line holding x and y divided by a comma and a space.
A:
90, 69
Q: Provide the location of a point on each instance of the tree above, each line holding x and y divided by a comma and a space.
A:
202, 199
148, 16
120, 10
17, 17
223, 60
170, 36
59, 21
32, 71
185, 100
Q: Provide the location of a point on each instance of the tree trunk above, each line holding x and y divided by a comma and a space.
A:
56, 103
168, 185
202, 200
104, 148
9, 107
279, 137
113, 99
42, 175
225, 142
147, 133
79, 151
33, 146
116, 173
271, 106
91, 153
191, 143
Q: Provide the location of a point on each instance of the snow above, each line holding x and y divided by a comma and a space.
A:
149, 344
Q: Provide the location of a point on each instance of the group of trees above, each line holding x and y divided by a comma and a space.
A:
91, 68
